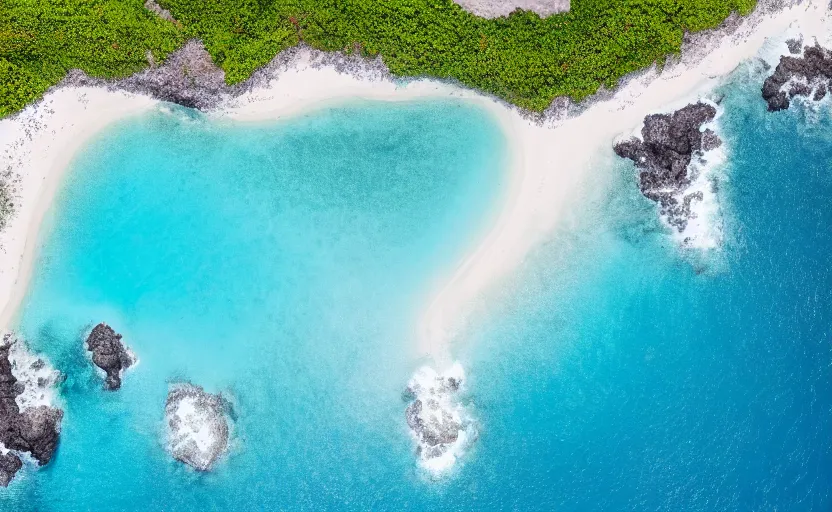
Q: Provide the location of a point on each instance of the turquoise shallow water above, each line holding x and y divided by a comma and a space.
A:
612, 374
286, 264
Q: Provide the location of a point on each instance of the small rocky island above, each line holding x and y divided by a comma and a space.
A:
809, 75
29, 425
436, 419
663, 156
197, 425
110, 354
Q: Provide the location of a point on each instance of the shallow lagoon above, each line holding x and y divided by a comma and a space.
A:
286, 264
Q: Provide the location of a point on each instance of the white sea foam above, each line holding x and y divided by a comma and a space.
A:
37, 376
441, 425
705, 226
704, 230
197, 426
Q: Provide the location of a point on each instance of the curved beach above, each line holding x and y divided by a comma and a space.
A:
552, 158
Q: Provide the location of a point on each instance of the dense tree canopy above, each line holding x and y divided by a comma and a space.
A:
522, 58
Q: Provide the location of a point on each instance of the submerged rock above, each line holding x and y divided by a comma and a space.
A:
198, 426
28, 422
808, 75
109, 354
439, 423
663, 157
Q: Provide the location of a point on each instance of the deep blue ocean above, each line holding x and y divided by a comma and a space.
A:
287, 265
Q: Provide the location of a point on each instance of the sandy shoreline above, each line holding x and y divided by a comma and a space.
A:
41, 143
550, 161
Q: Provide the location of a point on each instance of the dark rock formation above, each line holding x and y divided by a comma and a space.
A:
809, 75
669, 142
33, 429
188, 77
198, 428
438, 429
109, 354
10, 464
795, 45
39, 429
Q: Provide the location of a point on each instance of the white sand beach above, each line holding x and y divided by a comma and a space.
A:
38, 145
550, 161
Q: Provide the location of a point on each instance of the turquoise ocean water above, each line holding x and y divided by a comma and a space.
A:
287, 264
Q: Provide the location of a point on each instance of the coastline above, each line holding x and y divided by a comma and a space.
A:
41, 143
550, 160
574, 145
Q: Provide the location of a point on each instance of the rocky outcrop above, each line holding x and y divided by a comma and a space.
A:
438, 422
109, 354
497, 8
809, 75
198, 426
795, 45
28, 423
10, 464
663, 158
188, 77
39, 429
153, 6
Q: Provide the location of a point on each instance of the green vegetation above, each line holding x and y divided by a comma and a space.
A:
40, 40
524, 59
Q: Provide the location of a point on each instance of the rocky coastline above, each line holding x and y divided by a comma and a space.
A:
109, 354
663, 156
190, 78
28, 427
808, 75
